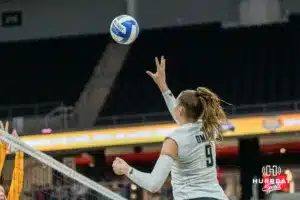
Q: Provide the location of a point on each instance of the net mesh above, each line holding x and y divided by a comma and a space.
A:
41, 182
45, 179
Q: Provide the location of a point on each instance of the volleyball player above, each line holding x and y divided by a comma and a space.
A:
189, 152
18, 171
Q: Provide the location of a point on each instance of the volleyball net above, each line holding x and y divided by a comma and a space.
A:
39, 170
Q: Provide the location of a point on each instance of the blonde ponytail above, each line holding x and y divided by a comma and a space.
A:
213, 115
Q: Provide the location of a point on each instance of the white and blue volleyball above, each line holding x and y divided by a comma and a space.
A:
124, 29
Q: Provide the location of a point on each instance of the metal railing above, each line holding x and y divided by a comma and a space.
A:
8, 112
60, 118
232, 111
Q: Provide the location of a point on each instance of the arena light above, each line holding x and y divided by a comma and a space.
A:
283, 150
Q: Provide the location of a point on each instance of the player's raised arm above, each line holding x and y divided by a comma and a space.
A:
159, 77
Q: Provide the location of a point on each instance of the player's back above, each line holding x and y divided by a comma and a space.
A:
194, 173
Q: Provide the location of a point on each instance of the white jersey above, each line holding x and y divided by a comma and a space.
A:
194, 172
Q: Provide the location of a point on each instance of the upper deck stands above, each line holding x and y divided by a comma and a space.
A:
248, 65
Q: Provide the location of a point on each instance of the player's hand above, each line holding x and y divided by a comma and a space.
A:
14, 133
5, 128
120, 167
10, 148
159, 77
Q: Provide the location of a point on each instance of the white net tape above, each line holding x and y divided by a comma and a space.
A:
54, 164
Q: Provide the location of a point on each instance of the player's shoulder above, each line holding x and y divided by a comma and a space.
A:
176, 134
185, 130
179, 135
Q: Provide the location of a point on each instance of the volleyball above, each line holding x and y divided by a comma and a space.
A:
124, 29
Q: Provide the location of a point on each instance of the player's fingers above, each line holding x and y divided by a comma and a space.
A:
115, 164
161, 67
119, 159
150, 74
1, 125
163, 62
157, 63
14, 133
6, 125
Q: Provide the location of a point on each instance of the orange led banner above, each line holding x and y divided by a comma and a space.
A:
157, 133
99, 138
263, 125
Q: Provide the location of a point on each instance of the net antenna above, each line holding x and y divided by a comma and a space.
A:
47, 160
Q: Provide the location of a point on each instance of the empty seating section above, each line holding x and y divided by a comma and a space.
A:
243, 65
59, 69
234, 62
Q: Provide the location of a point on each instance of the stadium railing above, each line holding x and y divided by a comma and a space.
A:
28, 109
59, 117
232, 111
